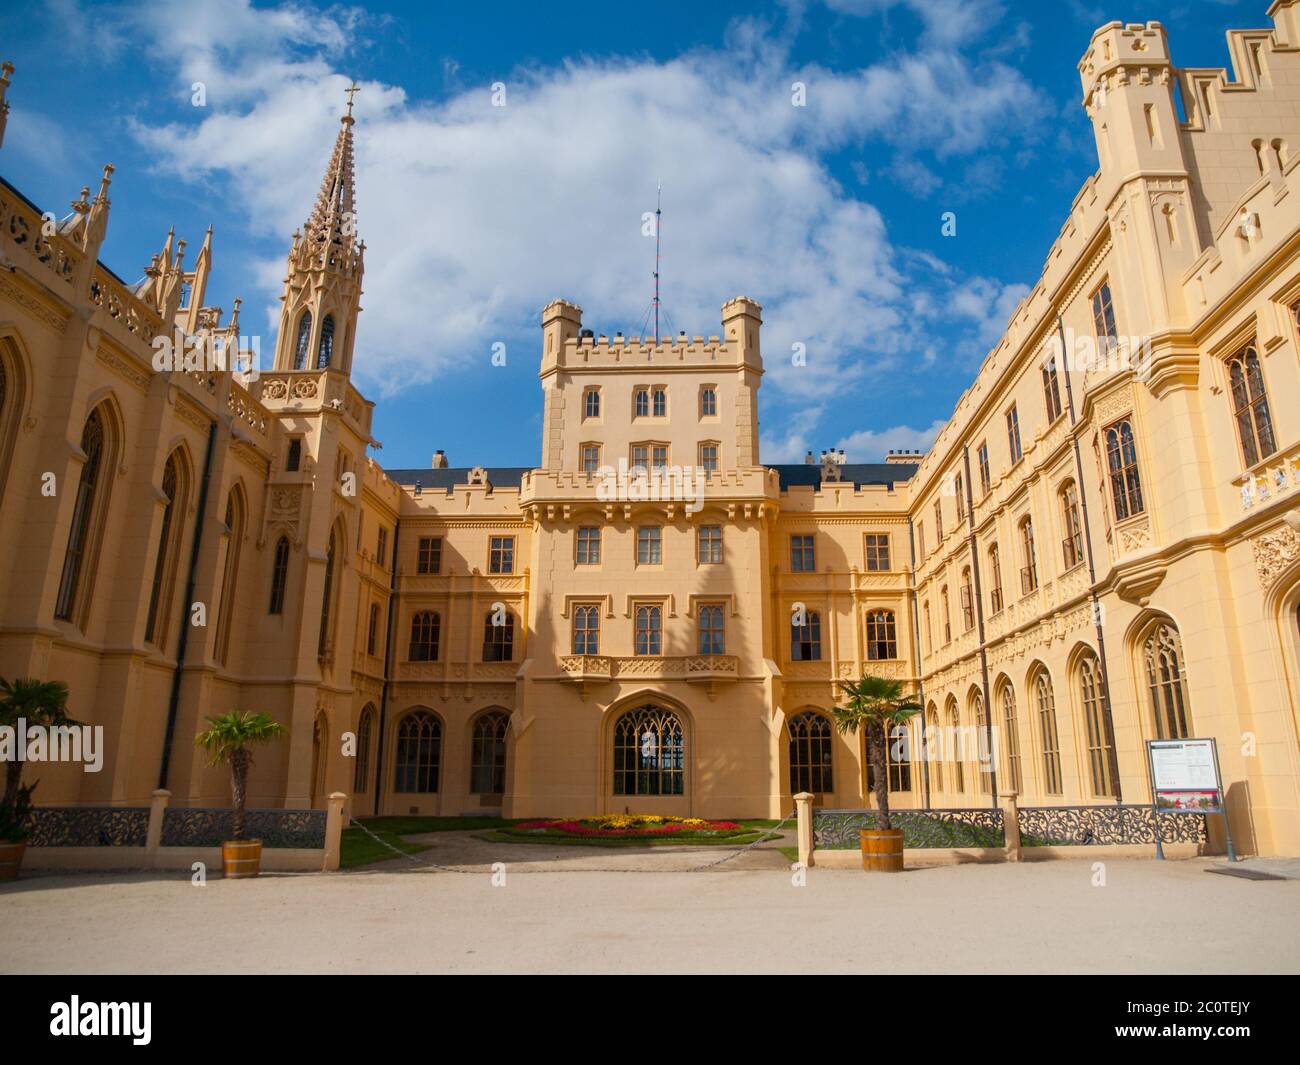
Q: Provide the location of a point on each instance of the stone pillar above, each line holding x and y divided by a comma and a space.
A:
157, 808
333, 831
1010, 825
803, 807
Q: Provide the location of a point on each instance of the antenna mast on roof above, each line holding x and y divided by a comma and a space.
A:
656, 304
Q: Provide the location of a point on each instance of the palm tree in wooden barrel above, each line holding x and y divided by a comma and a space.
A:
227, 740
878, 706
37, 702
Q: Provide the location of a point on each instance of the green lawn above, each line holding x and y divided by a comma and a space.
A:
646, 841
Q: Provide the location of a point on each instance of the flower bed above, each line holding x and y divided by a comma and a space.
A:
628, 826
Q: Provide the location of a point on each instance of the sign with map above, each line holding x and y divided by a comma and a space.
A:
1185, 775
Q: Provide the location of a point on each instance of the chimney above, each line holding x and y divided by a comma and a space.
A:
832, 460
810, 459
439, 460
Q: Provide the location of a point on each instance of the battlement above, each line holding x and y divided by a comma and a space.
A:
1116, 47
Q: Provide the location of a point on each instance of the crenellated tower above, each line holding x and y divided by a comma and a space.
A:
322, 290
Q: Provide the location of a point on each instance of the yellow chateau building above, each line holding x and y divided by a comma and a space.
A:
1100, 548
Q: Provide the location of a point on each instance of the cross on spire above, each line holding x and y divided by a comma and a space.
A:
351, 91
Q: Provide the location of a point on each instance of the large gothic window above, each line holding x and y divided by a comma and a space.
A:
325, 352
649, 753
168, 546
230, 574
1094, 717
419, 749
325, 643
1046, 701
303, 341
361, 774
487, 772
1166, 682
1011, 737
810, 753
424, 637
75, 559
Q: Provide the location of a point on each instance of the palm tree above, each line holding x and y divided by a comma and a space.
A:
227, 739
38, 702
877, 705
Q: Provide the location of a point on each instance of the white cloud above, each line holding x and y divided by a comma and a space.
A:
475, 216
871, 445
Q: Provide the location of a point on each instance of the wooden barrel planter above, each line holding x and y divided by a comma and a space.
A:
11, 859
882, 849
241, 858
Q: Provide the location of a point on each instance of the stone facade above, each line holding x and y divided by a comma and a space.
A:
1100, 548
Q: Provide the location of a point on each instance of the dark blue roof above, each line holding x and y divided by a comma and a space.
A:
859, 473
450, 476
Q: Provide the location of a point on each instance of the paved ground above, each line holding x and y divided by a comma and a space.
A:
551, 916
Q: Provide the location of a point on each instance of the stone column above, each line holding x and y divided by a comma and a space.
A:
333, 831
1010, 825
803, 807
157, 808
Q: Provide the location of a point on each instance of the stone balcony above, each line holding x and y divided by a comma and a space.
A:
588, 670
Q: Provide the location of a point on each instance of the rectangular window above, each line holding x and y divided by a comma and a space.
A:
920, 539
982, 457
1013, 434
586, 630
501, 555
806, 638
640, 457
802, 557
294, 458
381, 547
659, 457
938, 521
709, 458
588, 553
649, 630
649, 545
711, 630
1051, 390
659, 401
1103, 317
877, 551
641, 403
1122, 469
708, 540
708, 402
590, 458
959, 493
591, 403
429, 556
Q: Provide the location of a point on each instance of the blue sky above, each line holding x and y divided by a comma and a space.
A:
475, 216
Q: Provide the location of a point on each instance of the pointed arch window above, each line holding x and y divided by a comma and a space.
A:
425, 628
499, 637
882, 636
1046, 701
324, 644
325, 351
1099, 741
361, 774
279, 575
75, 559
806, 639
1250, 406
586, 630
958, 770
487, 771
303, 341
810, 754
649, 753
235, 525
166, 542
934, 747
984, 758
1011, 737
1167, 683
419, 751
1122, 468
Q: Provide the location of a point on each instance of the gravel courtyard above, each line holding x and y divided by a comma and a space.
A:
551, 916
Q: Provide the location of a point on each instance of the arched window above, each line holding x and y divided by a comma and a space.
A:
967, 601
1072, 545
1047, 730
235, 524
810, 754
361, 774
712, 630
882, 641
649, 630
303, 341
1094, 717
806, 639
325, 643
279, 575
168, 546
419, 749
934, 747
372, 630
983, 754
1122, 467
956, 745
76, 559
1051, 390
11, 404
487, 772
947, 615
995, 580
1163, 653
1250, 406
591, 399
586, 630
425, 627
1011, 738
1029, 572
325, 352
499, 637
649, 753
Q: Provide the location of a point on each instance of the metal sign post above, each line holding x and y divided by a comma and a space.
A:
1185, 779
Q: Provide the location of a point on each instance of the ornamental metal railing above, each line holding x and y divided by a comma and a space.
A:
838, 829
88, 826
210, 827
1113, 823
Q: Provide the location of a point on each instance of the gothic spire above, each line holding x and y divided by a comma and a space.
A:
330, 232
